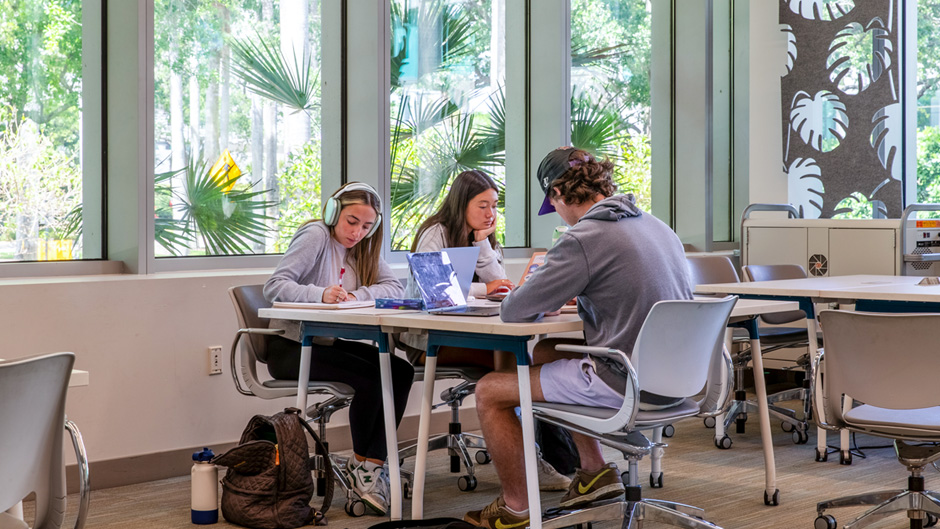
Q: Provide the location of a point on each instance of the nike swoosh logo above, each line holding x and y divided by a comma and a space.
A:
582, 488
501, 525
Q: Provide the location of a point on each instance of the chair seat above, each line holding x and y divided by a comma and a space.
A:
904, 423
337, 388
687, 408
594, 413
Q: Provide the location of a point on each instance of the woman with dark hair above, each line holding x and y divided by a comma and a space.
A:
331, 260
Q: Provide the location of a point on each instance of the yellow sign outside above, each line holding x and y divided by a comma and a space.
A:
225, 171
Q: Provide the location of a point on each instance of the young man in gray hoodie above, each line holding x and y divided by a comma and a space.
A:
617, 262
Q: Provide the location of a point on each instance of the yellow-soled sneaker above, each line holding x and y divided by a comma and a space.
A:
586, 486
496, 516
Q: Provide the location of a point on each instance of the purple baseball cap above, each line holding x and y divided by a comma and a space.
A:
554, 165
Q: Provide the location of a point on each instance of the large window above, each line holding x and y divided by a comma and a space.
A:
41, 131
236, 113
610, 87
928, 101
447, 103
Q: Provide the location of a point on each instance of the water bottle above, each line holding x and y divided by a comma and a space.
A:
205, 488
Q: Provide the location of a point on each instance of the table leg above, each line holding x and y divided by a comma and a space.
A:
813, 349
763, 413
528, 441
303, 378
391, 435
424, 434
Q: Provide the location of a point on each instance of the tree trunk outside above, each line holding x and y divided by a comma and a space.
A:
295, 47
257, 151
226, 78
194, 132
269, 119
212, 110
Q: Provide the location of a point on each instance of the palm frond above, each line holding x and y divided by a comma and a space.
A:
586, 56
595, 128
268, 73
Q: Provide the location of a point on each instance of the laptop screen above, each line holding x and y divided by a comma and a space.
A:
436, 280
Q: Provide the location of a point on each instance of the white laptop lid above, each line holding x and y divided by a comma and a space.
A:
464, 261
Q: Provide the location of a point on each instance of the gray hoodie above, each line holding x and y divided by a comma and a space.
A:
618, 262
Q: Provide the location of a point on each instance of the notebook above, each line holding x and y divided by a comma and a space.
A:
537, 260
323, 306
436, 279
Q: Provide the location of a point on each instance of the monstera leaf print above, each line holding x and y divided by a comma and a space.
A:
821, 9
787, 30
804, 188
819, 120
856, 206
886, 138
858, 56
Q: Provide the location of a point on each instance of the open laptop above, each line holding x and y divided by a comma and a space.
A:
436, 279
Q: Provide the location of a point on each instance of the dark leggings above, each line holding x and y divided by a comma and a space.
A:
356, 364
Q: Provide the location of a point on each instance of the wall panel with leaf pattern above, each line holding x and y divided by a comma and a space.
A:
841, 107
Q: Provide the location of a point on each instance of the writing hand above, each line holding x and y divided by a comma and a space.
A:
334, 294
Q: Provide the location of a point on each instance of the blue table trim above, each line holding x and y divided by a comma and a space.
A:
876, 305
518, 345
310, 329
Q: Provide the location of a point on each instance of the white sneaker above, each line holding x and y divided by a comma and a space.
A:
550, 479
371, 485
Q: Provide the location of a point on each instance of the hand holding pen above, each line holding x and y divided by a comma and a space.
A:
336, 293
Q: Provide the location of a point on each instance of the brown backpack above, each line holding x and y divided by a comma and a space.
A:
268, 484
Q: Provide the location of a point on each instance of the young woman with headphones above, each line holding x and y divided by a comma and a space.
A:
330, 260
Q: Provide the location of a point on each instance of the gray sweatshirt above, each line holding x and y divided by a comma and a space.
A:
618, 262
313, 261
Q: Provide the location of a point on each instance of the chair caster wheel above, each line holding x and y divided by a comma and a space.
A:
466, 483
931, 520
669, 430
825, 521
799, 437
355, 508
724, 443
772, 500
709, 422
656, 483
845, 458
821, 456
625, 478
787, 427
482, 457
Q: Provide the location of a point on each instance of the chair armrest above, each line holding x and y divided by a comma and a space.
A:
238, 336
605, 352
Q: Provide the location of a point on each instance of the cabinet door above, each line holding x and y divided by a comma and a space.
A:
862, 251
767, 246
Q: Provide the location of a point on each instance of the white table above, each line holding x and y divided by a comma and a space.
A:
873, 292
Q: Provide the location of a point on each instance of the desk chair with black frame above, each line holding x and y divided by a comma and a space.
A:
877, 376
668, 360
780, 337
248, 300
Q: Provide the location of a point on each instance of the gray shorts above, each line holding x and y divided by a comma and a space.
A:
574, 381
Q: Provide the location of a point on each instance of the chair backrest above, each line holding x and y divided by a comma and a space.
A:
247, 300
884, 360
773, 272
675, 350
705, 269
32, 423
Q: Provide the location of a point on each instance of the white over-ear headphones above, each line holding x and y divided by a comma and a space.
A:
333, 206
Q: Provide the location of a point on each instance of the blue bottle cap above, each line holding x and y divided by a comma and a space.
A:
205, 455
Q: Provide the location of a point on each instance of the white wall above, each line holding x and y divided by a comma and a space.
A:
768, 46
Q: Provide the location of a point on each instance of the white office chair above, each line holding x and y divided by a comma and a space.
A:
678, 352
32, 420
880, 379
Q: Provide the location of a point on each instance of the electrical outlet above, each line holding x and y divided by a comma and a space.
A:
215, 359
